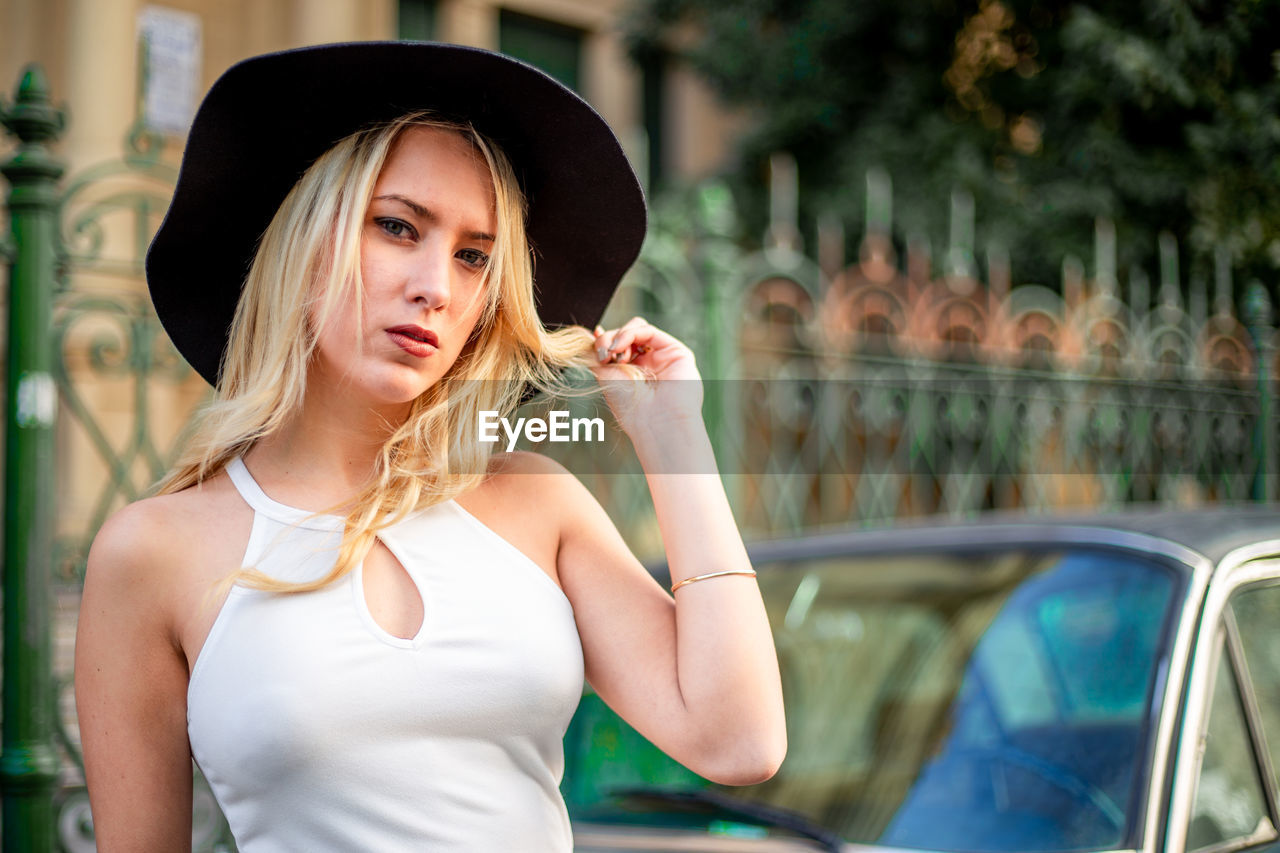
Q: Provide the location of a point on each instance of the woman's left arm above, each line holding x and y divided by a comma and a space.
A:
697, 675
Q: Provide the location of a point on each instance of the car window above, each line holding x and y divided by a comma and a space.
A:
1048, 731
964, 701
1229, 802
1257, 614
1051, 655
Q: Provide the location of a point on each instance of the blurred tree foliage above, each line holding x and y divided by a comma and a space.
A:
1161, 114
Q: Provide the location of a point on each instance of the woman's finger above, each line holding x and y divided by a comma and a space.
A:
626, 343
629, 341
602, 344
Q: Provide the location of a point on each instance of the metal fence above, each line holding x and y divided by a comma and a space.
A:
860, 393
836, 393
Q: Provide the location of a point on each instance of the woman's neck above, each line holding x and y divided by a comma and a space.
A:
324, 455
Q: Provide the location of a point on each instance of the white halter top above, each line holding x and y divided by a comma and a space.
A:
319, 731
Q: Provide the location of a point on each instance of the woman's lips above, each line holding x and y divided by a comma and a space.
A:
414, 340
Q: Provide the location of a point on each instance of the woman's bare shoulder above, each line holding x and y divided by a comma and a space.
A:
525, 498
542, 491
157, 533
523, 462
531, 480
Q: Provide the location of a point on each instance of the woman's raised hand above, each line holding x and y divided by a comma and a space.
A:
663, 387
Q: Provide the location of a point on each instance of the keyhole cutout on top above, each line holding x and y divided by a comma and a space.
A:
392, 597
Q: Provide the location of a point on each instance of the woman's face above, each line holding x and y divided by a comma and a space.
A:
426, 237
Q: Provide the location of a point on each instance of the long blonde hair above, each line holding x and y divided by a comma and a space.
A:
306, 265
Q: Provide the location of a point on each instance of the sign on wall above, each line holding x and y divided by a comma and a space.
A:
170, 52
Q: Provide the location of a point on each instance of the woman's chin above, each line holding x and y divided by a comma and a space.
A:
392, 395
378, 392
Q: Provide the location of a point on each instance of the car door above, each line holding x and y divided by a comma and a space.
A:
1226, 788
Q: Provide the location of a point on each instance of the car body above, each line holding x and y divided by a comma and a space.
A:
1016, 683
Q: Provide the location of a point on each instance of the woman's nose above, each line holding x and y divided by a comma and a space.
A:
428, 281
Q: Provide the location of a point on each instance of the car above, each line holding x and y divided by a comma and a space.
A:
1009, 684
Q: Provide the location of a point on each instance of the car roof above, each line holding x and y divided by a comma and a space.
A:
1212, 532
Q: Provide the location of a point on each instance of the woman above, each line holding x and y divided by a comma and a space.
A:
368, 628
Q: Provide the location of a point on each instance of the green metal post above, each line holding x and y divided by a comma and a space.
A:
713, 408
719, 259
29, 758
1257, 316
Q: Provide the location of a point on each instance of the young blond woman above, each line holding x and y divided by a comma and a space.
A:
368, 628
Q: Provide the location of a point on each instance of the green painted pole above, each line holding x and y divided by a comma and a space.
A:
28, 755
719, 259
1257, 316
714, 367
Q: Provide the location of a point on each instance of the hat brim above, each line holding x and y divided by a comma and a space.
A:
267, 119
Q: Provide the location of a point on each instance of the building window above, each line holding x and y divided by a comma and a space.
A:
555, 48
417, 20
653, 72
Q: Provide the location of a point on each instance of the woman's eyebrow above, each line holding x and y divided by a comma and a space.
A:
425, 213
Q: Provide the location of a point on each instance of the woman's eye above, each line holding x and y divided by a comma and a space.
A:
473, 257
395, 227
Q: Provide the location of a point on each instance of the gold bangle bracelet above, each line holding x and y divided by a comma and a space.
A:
697, 578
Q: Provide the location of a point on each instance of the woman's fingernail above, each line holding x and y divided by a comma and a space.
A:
599, 331
602, 353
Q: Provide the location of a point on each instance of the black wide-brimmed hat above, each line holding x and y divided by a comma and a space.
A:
270, 117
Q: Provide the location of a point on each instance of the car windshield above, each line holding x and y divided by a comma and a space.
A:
992, 702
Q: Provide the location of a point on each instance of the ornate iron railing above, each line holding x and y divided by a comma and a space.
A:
126, 396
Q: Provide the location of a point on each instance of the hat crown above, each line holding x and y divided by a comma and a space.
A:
268, 118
